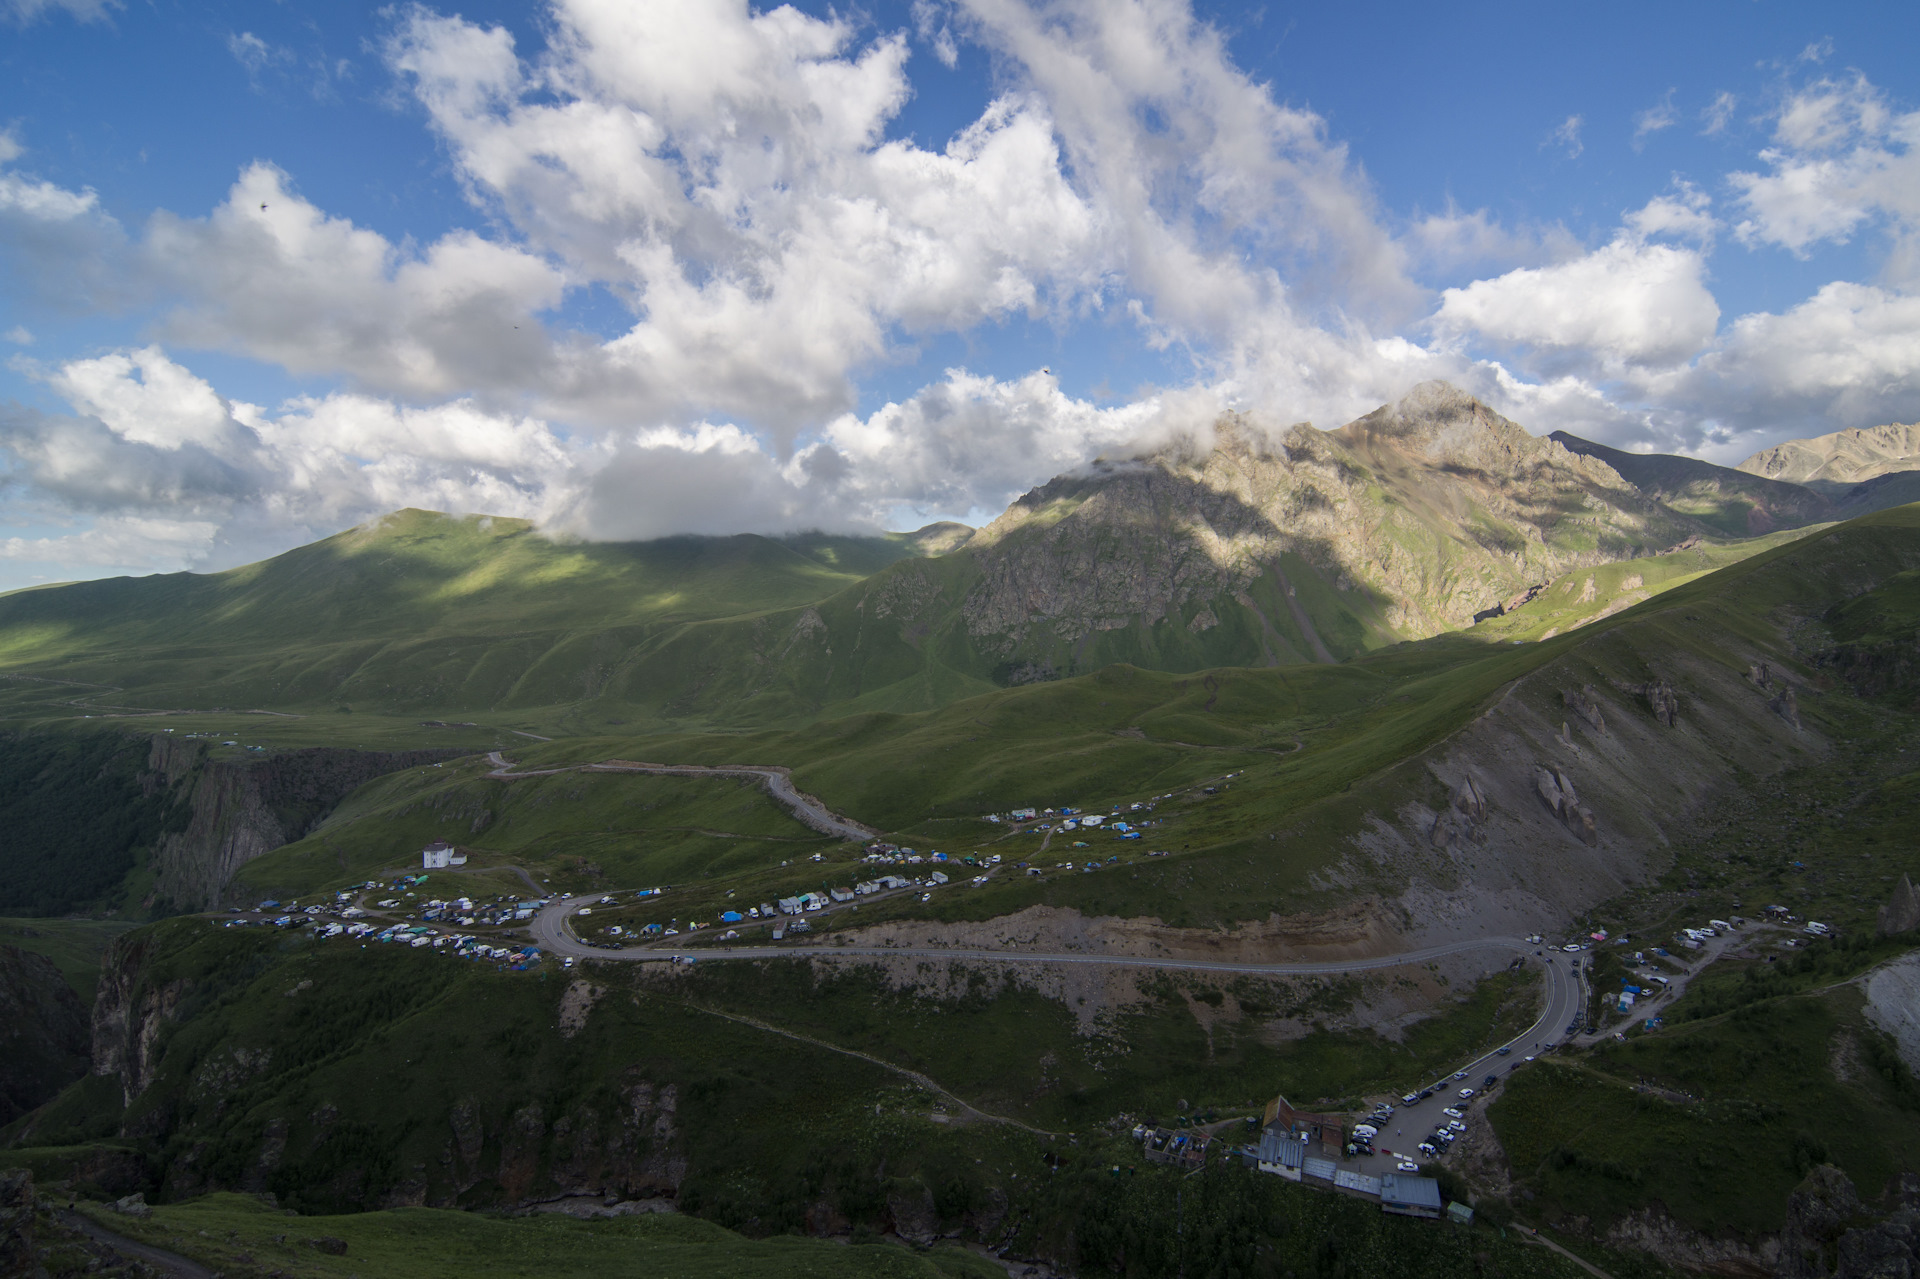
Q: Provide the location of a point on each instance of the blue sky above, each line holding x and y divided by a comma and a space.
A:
638, 269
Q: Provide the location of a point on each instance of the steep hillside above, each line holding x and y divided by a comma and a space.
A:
1732, 502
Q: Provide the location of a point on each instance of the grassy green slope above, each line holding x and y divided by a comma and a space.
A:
1315, 749
415, 610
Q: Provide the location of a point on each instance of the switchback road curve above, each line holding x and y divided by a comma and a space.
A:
776, 781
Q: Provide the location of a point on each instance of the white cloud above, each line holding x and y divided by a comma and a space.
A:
59, 250
1718, 113
273, 277
963, 447
1684, 215
255, 54
145, 397
149, 440
126, 543
1629, 302
1842, 159
25, 11
1847, 356
1457, 238
1661, 115
1567, 134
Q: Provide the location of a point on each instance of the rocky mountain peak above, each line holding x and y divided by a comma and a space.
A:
1843, 457
1402, 523
1440, 424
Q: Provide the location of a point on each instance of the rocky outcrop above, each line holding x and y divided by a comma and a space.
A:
1556, 791
1830, 1234
44, 1035
1902, 912
1653, 1231
1464, 818
242, 808
1893, 1004
1584, 704
1786, 705
129, 1012
1662, 701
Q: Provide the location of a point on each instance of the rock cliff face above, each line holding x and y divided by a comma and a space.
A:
129, 1012
43, 1032
1399, 525
242, 809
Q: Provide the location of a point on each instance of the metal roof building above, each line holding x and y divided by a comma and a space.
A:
1282, 1154
1410, 1196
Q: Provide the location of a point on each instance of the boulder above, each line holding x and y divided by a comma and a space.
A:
1785, 706
1662, 701
133, 1205
1902, 911
1586, 706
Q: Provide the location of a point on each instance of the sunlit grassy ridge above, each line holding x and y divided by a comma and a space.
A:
1315, 750
415, 610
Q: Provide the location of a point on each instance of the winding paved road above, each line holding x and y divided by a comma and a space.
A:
777, 781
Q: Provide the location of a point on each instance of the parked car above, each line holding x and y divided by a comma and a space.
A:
1490, 1081
1452, 1112
1410, 1098
1458, 1125
1406, 1165
1465, 1093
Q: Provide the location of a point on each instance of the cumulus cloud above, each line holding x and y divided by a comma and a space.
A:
1842, 158
270, 275
1630, 302
58, 250
1849, 355
149, 440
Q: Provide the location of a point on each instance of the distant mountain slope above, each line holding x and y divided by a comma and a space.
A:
419, 609
1831, 463
1736, 503
1254, 548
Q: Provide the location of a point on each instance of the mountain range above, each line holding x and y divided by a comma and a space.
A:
1248, 546
1385, 699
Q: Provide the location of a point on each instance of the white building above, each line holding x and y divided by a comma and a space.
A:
439, 855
